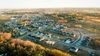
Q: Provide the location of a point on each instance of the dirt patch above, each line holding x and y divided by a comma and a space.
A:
57, 45
83, 30
96, 20
83, 53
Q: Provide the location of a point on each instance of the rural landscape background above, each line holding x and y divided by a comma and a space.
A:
49, 28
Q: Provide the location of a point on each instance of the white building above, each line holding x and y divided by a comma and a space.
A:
67, 41
50, 42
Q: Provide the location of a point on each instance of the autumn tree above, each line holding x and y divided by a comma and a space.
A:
78, 26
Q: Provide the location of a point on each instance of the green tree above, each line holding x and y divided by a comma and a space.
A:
2, 50
26, 53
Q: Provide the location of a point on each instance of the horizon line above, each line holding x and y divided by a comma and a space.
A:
46, 8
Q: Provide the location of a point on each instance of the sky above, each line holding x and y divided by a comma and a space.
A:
11, 4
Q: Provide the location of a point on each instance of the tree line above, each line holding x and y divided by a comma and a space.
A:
17, 47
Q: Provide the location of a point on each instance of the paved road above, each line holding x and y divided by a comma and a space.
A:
79, 38
29, 33
68, 44
90, 34
35, 31
73, 45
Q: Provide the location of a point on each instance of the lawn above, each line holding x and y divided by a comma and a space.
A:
73, 53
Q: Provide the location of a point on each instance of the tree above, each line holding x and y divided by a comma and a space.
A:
13, 53
78, 26
1, 43
17, 34
24, 25
12, 46
13, 34
76, 20
26, 53
2, 50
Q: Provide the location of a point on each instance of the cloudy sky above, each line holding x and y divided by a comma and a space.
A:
7, 4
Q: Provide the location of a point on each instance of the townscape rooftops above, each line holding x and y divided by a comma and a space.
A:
86, 41
44, 33
37, 37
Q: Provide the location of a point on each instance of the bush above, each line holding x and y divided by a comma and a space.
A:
78, 26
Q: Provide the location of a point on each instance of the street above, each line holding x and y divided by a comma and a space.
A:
74, 44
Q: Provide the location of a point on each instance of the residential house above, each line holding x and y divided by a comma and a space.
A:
44, 34
64, 33
29, 29
86, 41
67, 34
16, 29
57, 31
50, 42
48, 35
21, 33
27, 22
39, 38
68, 40
72, 35
60, 32
74, 49
1, 55
36, 38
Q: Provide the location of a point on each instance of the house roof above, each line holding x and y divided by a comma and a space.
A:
72, 34
86, 41
50, 42
68, 39
36, 36
87, 38
75, 48
32, 35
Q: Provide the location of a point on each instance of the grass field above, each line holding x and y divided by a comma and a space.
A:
1, 29
5, 17
88, 25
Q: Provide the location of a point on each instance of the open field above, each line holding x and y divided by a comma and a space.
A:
96, 20
92, 25
83, 30
5, 17
57, 45
88, 25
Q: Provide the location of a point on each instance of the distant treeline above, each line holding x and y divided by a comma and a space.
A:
16, 13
